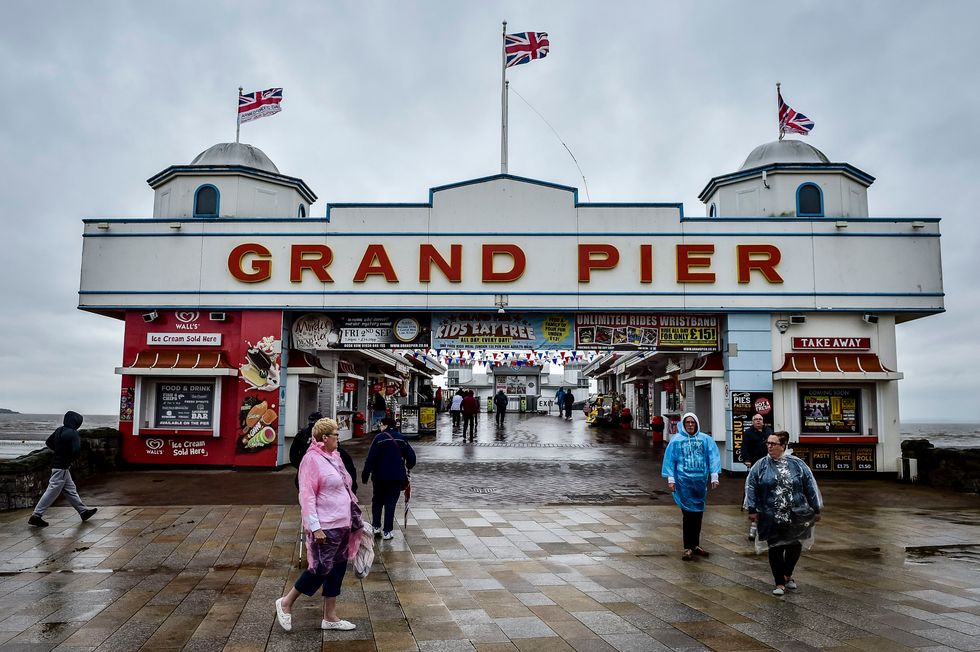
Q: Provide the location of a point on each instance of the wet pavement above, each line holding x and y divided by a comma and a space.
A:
543, 536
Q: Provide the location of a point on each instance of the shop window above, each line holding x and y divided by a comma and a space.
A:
178, 404
831, 411
809, 201
302, 211
206, 201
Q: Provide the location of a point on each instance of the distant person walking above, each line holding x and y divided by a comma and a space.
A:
379, 409
559, 400
67, 445
690, 462
500, 402
387, 464
567, 400
455, 407
470, 407
754, 449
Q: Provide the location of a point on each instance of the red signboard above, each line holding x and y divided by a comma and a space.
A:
831, 343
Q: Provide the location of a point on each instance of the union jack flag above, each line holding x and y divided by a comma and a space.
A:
259, 104
525, 47
791, 121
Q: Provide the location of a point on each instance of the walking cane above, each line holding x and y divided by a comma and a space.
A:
408, 497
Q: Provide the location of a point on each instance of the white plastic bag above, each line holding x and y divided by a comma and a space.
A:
365, 554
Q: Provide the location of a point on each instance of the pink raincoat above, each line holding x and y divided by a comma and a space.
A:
327, 503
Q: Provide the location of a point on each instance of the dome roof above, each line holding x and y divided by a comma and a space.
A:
783, 151
236, 154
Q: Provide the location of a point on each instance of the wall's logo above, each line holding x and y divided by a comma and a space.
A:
187, 317
154, 444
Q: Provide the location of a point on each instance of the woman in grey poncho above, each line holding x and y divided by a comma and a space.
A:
783, 500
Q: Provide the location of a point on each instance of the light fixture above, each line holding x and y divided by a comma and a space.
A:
103, 226
175, 226
870, 319
841, 224
797, 319
217, 316
500, 300
153, 315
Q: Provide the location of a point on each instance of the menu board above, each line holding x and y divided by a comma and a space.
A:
410, 420
864, 458
184, 405
843, 458
746, 405
820, 458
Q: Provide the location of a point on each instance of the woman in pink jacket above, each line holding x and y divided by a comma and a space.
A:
332, 521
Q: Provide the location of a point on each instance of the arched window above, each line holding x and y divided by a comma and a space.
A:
809, 201
712, 210
302, 211
206, 201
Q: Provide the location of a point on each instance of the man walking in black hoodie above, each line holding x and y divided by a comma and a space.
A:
66, 445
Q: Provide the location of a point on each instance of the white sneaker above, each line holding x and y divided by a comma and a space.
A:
340, 625
388, 536
791, 584
778, 591
285, 620
377, 531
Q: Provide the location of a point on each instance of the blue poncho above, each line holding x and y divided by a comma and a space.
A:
691, 460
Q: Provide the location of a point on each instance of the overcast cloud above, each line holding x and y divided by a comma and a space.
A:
384, 100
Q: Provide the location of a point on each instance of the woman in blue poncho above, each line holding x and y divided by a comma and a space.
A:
690, 462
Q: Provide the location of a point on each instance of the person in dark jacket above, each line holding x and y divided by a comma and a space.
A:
469, 407
500, 405
754, 449
301, 443
66, 445
387, 464
567, 400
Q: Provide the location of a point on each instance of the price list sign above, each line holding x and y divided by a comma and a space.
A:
184, 405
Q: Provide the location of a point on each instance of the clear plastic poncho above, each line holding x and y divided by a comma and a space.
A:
785, 495
691, 460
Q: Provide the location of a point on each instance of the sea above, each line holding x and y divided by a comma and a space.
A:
22, 433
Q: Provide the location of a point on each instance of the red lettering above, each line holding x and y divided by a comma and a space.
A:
694, 255
595, 256
375, 262
761, 257
314, 257
261, 267
518, 263
646, 263
453, 270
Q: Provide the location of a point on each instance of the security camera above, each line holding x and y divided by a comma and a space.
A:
797, 319
782, 325
153, 315
870, 319
217, 316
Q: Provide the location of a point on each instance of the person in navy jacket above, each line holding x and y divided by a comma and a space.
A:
387, 464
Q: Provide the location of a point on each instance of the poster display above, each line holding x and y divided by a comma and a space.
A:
516, 385
509, 330
835, 411
745, 405
317, 331
184, 405
647, 332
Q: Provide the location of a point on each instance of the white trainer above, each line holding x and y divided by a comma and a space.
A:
778, 591
377, 531
388, 536
285, 620
339, 625
791, 584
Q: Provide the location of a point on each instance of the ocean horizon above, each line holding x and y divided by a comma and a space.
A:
37, 427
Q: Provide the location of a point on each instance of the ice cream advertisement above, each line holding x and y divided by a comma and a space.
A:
256, 430
261, 367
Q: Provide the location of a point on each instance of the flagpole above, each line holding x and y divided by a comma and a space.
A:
503, 100
238, 116
781, 132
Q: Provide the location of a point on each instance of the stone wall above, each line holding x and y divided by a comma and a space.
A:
24, 479
953, 468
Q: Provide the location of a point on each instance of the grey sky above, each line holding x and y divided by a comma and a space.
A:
384, 100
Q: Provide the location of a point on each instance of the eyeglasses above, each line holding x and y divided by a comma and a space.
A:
773, 443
